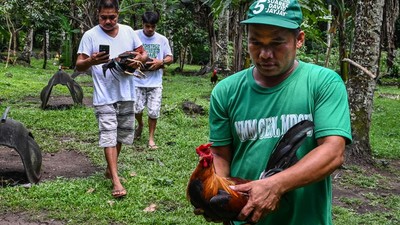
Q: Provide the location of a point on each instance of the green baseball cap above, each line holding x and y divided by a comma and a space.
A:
281, 13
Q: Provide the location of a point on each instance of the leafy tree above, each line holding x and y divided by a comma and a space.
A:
233, 11
30, 19
315, 12
185, 29
67, 58
316, 17
13, 24
33, 16
132, 10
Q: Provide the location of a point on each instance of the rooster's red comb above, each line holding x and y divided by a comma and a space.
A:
204, 149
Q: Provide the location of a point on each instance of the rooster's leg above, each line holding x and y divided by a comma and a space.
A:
138, 73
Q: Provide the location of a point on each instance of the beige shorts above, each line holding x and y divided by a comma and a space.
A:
116, 122
149, 97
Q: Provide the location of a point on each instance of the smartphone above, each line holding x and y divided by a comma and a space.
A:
104, 48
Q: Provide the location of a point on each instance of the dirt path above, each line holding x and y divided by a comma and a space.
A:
67, 164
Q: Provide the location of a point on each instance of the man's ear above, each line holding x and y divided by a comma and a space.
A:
300, 39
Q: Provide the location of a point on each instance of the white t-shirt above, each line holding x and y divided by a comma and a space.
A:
110, 89
156, 46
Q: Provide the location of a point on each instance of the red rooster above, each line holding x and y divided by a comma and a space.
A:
214, 77
211, 193
205, 187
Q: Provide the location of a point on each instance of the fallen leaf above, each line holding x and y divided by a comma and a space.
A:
133, 174
151, 208
160, 163
28, 185
90, 190
111, 202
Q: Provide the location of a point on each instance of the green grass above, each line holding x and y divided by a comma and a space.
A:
385, 131
160, 176
343, 216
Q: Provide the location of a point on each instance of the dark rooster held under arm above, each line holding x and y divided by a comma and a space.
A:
211, 193
121, 65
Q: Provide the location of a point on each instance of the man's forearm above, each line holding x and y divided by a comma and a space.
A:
167, 60
222, 160
83, 63
313, 167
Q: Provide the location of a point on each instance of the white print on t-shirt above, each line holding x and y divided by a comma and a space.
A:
270, 127
152, 50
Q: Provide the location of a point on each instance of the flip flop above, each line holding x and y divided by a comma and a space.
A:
118, 193
152, 147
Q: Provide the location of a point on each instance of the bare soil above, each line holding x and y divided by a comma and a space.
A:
384, 177
67, 164
72, 164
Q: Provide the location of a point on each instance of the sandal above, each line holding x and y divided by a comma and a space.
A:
152, 147
118, 193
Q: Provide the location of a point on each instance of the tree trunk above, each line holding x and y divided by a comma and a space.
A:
75, 37
25, 56
341, 26
222, 55
366, 52
11, 30
182, 57
46, 47
328, 38
212, 37
238, 31
390, 15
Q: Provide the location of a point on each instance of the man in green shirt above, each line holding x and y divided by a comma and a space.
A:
251, 109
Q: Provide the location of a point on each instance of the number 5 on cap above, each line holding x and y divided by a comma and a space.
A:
259, 7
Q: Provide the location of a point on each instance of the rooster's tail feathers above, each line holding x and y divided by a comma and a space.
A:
284, 153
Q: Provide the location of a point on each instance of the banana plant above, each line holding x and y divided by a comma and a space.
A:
68, 31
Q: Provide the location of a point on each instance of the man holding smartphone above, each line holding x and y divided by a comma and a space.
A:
113, 96
104, 48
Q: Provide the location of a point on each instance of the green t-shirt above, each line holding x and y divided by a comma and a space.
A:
251, 118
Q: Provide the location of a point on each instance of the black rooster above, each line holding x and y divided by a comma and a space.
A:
120, 65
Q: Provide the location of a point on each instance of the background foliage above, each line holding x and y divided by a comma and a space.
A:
181, 21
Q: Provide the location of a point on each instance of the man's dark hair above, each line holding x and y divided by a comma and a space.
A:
108, 4
296, 32
151, 17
